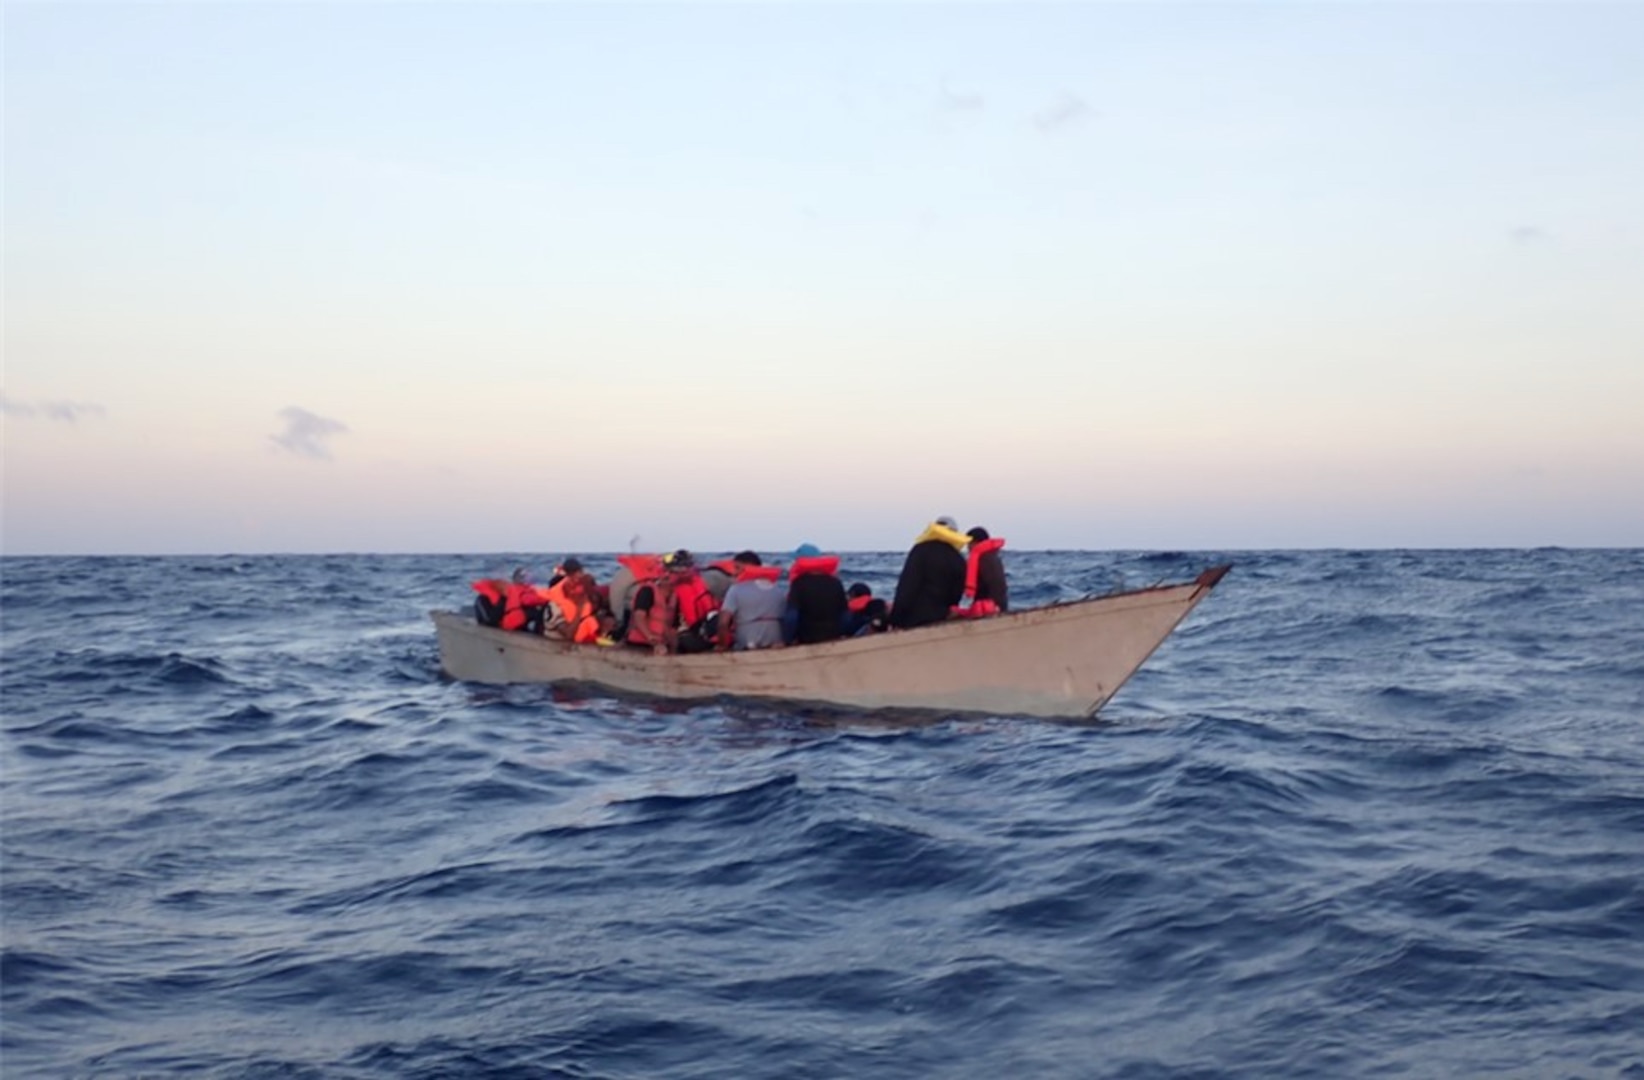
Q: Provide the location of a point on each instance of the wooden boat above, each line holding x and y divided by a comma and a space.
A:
1063, 660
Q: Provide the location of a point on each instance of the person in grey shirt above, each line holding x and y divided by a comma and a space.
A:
751, 616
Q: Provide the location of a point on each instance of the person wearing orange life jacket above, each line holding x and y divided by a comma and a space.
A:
650, 619
491, 602
671, 614
751, 615
514, 604
633, 572
986, 591
720, 575
694, 607
865, 613
816, 597
573, 611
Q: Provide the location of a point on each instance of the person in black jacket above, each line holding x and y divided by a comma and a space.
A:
933, 576
816, 596
865, 613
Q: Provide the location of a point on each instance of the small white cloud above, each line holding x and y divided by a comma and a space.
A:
64, 412
306, 434
69, 412
1066, 111
952, 101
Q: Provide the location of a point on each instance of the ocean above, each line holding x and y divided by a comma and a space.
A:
1367, 813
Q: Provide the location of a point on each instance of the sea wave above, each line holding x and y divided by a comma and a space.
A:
1366, 813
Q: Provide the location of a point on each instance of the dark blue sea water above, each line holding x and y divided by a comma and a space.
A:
1365, 814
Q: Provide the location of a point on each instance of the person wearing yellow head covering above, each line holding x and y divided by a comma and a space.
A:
933, 576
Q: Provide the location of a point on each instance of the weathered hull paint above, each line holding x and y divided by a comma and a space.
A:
1065, 660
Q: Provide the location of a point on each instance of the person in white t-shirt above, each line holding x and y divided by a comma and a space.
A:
751, 615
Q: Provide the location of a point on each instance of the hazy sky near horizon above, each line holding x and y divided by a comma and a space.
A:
541, 276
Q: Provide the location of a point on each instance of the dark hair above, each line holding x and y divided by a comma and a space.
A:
571, 565
747, 558
858, 589
978, 533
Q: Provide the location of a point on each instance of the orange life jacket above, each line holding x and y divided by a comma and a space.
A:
514, 596
759, 573
813, 564
727, 567
570, 595
858, 603
650, 627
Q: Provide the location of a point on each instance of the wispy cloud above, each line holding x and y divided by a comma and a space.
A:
1527, 235
955, 102
1066, 111
64, 412
306, 434
8, 407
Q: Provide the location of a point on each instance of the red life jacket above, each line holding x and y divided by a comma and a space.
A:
727, 567
759, 573
976, 609
813, 564
514, 596
858, 603
693, 599
644, 567
977, 550
488, 605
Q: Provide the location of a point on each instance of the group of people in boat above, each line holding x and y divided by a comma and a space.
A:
669, 604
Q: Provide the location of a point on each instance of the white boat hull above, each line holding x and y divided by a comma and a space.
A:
1065, 660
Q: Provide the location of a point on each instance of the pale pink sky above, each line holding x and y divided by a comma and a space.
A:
523, 277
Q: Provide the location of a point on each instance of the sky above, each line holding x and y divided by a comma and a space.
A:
428, 277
